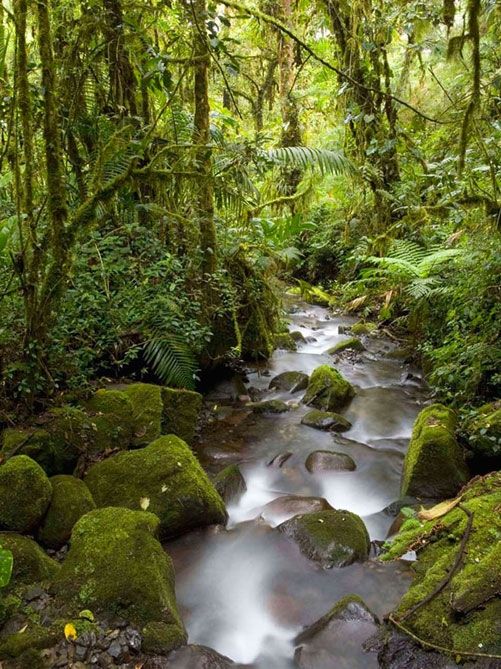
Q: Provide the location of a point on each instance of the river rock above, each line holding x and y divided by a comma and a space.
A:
71, 499
326, 420
116, 565
195, 657
398, 651
279, 460
352, 344
270, 407
25, 493
147, 412
31, 564
325, 461
331, 538
337, 639
230, 483
328, 389
164, 478
286, 507
434, 465
111, 413
292, 382
363, 328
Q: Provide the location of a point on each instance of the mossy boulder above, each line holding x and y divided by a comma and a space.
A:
230, 483
160, 638
71, 499
328, 390
270, 407
116, 565
352, 344
292, 382
181, 413
434, 465
25, 493
285, 341
165, 478
147, 412
331, 538
24, 646
325, 461
298, 337
326, 420
112, 416
31, 563
56, 443
466, 614
484, 432
363, 328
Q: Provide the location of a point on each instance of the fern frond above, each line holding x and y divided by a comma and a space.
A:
172, 360
327, 161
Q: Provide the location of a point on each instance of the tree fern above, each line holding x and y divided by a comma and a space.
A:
327, 161
172, 360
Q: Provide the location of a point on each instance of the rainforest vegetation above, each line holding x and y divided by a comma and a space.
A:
169, 170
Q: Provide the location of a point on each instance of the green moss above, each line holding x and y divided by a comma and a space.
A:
363, 328
230, 483
326, 420
285, 341
352, 344
147, 405
181, 412
25, 493
328, 389
332, 538
34, 637
9, 604
112, 417
270, 406
290, 381
71, 499
434, 466
160, 638
166, 478
31, 564
116, 565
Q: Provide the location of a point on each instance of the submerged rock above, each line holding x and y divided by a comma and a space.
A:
287, 506
181, 413
270, 407
326, 420
25, 493
71, 499
328, 389
194, 657
164, 478
324, 461
292, 382
331, 538
337, 639
279, 460
352, 344
31, 564
230, 483
434, 465
116, 565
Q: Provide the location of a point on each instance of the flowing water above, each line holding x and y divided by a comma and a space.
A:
246, 590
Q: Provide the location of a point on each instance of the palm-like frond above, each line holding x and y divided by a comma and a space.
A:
327, 161
172, 360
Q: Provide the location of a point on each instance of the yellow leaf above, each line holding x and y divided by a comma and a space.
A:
23, 629
144, 503
87, 615
70, 632
439, 510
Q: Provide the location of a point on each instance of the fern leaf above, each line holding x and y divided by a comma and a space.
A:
172, 361
327, 161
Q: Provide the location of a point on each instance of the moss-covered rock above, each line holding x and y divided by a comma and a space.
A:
434, 465
56, 443
147, 406
230, 483
292, 382
112, 416
181, 413
160, 638
331, 538
24, 645
352, 344
285, 341
326, 420
484, 432
298, 337
328, 389
31, 563
116, 565
325, 461
466, 614
270, 407
71, 499
25, 493
165, 478
363, 328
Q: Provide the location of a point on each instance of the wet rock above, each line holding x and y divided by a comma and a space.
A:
71, 499
285, 341
331, 538
292, 382
328, 390
279, 460
298, 337
193, 657
164, 478
352, 344
285, 507
394, 508
434, 465
162, 638
325, 461
116, 565
230, 483
326, 420
363, 328
337, 639
31, 564
397, 651
270, 407
25, 493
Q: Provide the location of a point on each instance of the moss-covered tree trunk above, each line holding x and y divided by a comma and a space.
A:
122, 80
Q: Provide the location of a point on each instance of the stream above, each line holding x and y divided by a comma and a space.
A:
247, 591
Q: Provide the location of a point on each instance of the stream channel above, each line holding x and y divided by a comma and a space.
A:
247, 591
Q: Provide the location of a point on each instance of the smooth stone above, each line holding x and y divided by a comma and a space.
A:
196, 657
230, 483
352, 344
279, 460
286, 507
325, 461
293, 382
326, 420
